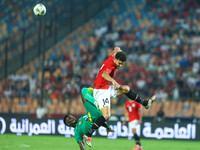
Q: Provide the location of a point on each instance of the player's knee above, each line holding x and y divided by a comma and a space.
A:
126, 89
107, 116
134, 130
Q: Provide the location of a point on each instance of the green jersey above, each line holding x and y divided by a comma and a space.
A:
86, 121
83, 126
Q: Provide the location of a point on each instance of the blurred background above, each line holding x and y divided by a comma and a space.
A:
45, 61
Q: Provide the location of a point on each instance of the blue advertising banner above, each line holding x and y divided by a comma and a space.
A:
153, 130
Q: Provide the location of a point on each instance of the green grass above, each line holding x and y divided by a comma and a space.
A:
42, 142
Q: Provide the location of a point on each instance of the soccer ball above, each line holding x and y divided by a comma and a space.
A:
39, 10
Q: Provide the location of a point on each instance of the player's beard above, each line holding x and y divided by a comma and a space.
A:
117, 67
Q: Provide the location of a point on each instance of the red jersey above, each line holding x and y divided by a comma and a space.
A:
133, 108
109, 66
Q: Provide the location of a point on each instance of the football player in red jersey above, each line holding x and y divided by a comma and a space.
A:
103, 91
134, 113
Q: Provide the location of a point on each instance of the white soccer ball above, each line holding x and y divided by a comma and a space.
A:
39, 10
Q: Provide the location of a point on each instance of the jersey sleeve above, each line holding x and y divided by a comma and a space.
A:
108, 70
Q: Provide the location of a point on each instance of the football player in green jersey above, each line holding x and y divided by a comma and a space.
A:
85, 122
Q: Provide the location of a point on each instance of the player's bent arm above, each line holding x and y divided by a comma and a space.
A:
107, 77
81, 145
140, 114
125, 117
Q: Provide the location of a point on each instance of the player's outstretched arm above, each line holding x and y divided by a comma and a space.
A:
125, 117
116, 49
140, 115
81, 145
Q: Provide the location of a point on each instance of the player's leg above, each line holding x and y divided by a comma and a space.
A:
93, 114
87, 96
137, 139
102, 96
92, 111
125, 89
132, 126
81, 145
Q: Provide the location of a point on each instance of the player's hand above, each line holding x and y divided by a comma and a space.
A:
116, 85
140, 121
123, 123
117, 49
109, 130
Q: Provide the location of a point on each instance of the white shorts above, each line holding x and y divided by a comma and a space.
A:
102, 96
133, 124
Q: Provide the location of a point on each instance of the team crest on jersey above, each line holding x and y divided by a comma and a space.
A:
79, 122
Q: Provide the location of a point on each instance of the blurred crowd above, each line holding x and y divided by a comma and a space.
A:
161, 40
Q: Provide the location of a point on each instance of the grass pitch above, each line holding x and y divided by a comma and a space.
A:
42, 142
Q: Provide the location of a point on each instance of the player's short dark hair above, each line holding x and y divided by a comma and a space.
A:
65, 119
121, 56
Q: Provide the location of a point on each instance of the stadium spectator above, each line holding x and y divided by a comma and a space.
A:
33, 85
166, 46
160, 115
40, 112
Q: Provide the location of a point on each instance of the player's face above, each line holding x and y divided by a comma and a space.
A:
119, 63
70, 120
